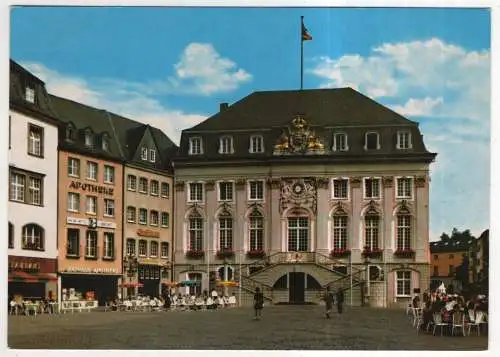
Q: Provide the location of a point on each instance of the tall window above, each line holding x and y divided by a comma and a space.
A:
340, 188
92, 170
165, 218
11, 235
109, 174
91, 205
144, 153
29, 95
339, 232
154, 218
298, 234
195, 146
340, 142
225, 191
35, 191
195, 289
89, 139
131, 183
131, 247
225, 231
143, 248
404, 232
155, 188
73, 202
70, 132
153, 249
143, 185
404, 140
403, 283
195, 232
256, 190
143, 216
256, 144
256, 227
73, 242
109, 208
403, 186
372, 188
164, 249
26, 187
131, 213
372, 141
196, 192
371, 232
165, 190
91, 244
226, 145
109, 245
152, 155
35, 140
105, 142
33, 237
73, 167
17, 188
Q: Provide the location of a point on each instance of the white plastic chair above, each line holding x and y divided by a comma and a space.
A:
458, 322
417, 316
438, 322
477, 322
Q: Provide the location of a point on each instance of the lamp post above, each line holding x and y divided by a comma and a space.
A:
164, 269
367, 273
130, 265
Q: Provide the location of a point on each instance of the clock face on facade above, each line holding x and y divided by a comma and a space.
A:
298, 189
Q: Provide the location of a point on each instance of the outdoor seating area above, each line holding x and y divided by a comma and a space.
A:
30, 306
449, 314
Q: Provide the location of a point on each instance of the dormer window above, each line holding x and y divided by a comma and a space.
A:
226, 145
105, 142
195, 146
144, 153
152, 155
404, 140
89, 139
70, 132
30, 95
256, 144
340, 142
372, 141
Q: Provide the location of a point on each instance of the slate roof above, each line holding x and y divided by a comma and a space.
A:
452, 245
20, 78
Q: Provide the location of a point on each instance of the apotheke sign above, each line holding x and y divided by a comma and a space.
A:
91, 270
92, 222
91, 188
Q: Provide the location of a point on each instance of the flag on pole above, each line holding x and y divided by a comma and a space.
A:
305, 34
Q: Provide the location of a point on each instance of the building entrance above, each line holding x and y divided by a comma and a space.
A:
296, 288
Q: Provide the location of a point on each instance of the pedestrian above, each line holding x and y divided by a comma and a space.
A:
258, 303
328, 298
340, 300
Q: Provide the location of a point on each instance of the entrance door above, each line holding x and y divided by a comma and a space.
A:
296, 288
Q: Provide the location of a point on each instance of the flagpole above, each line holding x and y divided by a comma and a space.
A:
301, 54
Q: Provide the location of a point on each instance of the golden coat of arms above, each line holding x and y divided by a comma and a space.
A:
299, 140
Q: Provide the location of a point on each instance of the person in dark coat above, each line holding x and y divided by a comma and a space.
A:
328, 298
258, 303
340, 300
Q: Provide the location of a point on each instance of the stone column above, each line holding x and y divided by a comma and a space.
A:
387, 219
323, 198
274, 236
354, 221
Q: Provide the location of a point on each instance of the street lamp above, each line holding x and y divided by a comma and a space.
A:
366, 259
130, 265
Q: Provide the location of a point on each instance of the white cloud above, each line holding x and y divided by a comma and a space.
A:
117, 97
201, 69
418, 107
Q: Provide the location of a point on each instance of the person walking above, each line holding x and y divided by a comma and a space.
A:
340, 300
328, 298
258, 303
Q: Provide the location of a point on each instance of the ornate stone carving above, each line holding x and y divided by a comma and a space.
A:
323, 182
340, 209
240, 183
373, 209
298, 138
420, 181
388, 181
298, 192
356, 182
179, 185
274, 183
210, 185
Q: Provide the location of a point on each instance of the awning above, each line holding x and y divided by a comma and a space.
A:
170, 283
190, 282
24, 277
226, 283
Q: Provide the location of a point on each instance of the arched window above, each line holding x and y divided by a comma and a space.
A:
195, 232
11, 235
339, 233
256, 231
33, 237
225, 273
371, 231
225, 231
403, 226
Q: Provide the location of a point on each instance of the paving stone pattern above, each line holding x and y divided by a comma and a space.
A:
282, 327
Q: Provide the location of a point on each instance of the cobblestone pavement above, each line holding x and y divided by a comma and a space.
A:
282, 327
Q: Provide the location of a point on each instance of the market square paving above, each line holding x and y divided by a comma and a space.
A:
282, 327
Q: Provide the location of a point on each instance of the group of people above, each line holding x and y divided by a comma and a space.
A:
330, 300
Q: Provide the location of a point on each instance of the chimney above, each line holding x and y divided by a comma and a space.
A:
223, 106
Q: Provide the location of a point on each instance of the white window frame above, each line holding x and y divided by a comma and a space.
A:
152, 155
338, 230
107, 246
167, 185
151, 185
89, 206
397, 278
407, 227
109, 204
168, 219
89, 138
151, 245
144, 153
154, 218
91, 249
225, 232
400, 133
89, 170
379, 188
18, 187
145, 248
192, 146
298, 228
131, 249
73, 166
164, 244
219, 191
371, 238
105, 143
109, 169
335, 179
130, 186
399, 197
366, 140
130, 210
256, 144
190, 199
72, 202
336, 144
249, 190
141, 189
29, 95
35, 191
226, 144
139, 216
255, 229
195, 232
35, 138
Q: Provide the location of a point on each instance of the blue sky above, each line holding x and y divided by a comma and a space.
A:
171, 67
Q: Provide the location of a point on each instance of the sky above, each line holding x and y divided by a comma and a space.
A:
172, 67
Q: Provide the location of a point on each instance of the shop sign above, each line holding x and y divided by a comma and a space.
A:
148, 233
24, 266
91, 188
91, 270
90, 222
